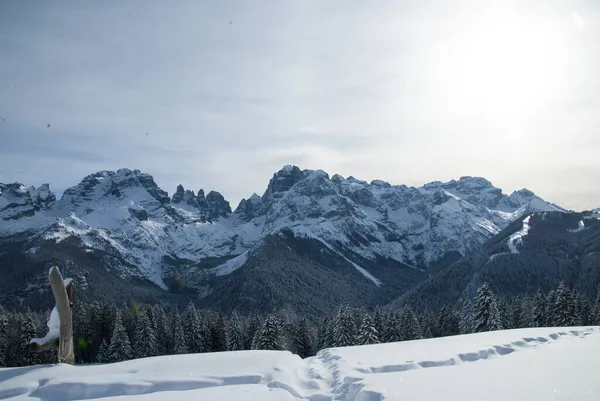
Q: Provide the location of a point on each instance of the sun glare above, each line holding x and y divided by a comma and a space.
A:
502, 65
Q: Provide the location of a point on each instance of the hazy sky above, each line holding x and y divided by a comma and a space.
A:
221, 94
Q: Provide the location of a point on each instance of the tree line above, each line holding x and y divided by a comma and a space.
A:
106, 333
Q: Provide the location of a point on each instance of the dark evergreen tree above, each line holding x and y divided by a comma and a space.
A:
344, 331
466, 323
302, 341
487, 315
235, 333
368, 333
120, 345
218, 333
145, 337
3, 337
565, 307
448, 322
81, 333
596, 314
428, 325
252, 328
516, 317
179, 345
28, 332
380, 322
164, 339
269, 335
191, 328
103, 353
539, 309
409, 324
551, 311
584, 311
393, 328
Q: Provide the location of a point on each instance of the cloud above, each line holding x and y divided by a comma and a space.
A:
346, 87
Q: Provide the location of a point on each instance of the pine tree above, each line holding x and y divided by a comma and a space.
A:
393, 331
379, 322
145, 337
584, 311
28, 331
466, 322
179, 345
539, 309
344, 329
3, 337
428, 325
103, 353
81, 333
269, 335
551, 311
191, 328
410, 326
565, 307
596, 315
120, 346
516, 315
368, 333
218, 333
252, 328
164, 340
303, 342
235, 333
487, 315
448, 322
324, 335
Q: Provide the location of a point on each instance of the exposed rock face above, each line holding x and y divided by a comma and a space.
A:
216, 206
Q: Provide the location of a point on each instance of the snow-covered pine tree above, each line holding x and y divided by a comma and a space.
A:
367, 333
268, 337
252, 328
344, 332
191, 329
177, 334
428, 325
487, 315
539, 309
584, 311
448, 322
466, 322
103, 355
393, 328
163, 336
28, 331
302, 341
596, 314
81, 332
516, 318
379, 321
551, 312
145, 337
235, 333
218, 333
409, 323
120, 346
565, 307
3, 337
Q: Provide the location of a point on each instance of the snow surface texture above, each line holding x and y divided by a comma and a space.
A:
559, 364
125, 213
580, 227
517, 238
53, 322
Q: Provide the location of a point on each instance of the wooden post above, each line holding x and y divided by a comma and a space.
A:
64, 295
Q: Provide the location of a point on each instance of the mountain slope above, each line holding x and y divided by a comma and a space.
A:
373, 240
537, 251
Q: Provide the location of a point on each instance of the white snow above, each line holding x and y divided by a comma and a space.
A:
231, 265
580, 227
559, 364
53, 329
517, 238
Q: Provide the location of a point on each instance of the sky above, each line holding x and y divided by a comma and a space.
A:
220, 95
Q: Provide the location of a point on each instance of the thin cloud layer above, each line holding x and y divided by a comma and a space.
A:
221, 95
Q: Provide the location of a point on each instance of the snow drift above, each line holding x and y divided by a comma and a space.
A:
525, 364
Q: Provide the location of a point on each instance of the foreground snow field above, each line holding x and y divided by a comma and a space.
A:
514, 365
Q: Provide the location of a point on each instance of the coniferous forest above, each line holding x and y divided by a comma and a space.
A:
106, 333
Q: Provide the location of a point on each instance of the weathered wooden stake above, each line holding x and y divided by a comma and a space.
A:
64, 294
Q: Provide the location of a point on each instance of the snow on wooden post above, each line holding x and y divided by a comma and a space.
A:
60, 323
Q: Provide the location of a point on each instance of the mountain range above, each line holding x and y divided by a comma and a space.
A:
310, 242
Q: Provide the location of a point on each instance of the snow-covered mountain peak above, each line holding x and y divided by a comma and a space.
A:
18, 200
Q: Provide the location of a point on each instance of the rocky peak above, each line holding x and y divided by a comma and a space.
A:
17, 200
475, 190
186, 196
216, 206
283, 180
249, 208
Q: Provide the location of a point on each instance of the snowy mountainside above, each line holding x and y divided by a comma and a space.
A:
538, 250
134, 230
523, 364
